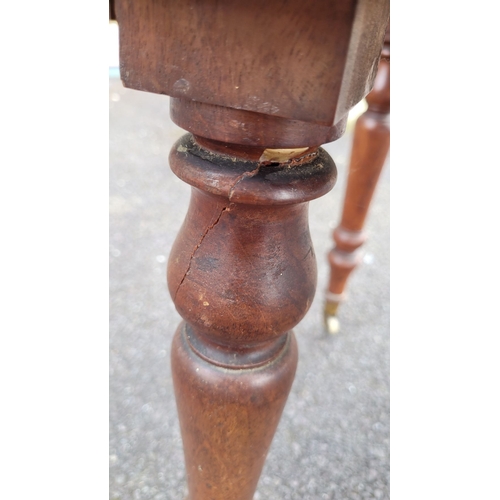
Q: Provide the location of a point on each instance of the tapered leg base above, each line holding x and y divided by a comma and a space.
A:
228, 417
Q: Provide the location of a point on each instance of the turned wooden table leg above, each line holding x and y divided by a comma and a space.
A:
369, 152
259, 88
242, 274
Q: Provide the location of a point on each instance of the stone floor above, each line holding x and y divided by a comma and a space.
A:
333, 438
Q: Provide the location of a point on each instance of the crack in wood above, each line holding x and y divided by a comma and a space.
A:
244, 175
211, 226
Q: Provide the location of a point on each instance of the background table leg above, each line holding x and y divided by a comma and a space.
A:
369, 152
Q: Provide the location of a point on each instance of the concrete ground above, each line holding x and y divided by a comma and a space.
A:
333, 438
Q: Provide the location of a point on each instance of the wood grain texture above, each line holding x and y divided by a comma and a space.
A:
246, 77
238, 126
242, 274
228, 418
307, 62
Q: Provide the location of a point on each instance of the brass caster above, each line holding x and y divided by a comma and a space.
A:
331, 321
332, 325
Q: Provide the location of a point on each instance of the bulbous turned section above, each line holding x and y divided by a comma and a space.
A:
242, 270
242, 274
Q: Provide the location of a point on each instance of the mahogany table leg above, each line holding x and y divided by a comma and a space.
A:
260, 89
369, 152
242, 274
